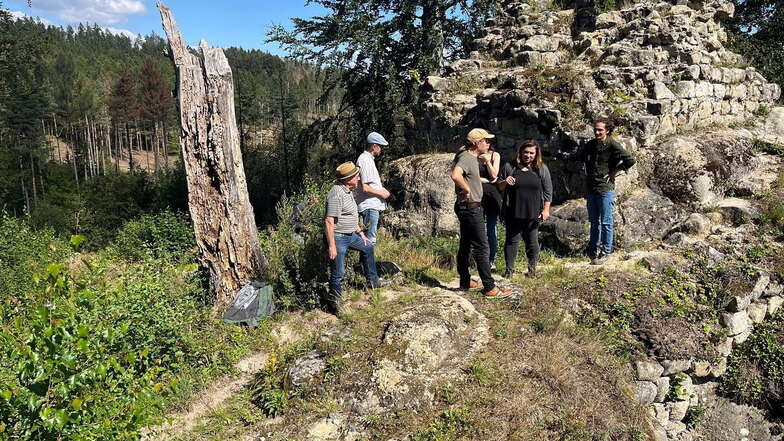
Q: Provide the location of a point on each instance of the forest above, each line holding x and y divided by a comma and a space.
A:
107, 322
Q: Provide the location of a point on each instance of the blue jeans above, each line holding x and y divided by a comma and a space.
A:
337, 266
370, 221
600, 214
492, 235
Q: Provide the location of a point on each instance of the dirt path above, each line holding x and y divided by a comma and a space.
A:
211, 398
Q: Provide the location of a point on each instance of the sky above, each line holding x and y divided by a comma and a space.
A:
221, 23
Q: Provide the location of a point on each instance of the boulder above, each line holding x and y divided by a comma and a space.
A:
736, 323
541, 43
644, 216
672, 367
757, 311
774, 303
774, 122
663, 388
424, 196
304, 370
648, 370
645, 392
678, 410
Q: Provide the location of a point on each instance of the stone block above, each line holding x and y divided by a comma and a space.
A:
701, 368
742, 337
773, 289
684, 89
757, 311
541, 43
644, 391
648, 370
663, 388
736, 323
718, 369
719, 90
660, 413
774, 303
739, 303
660, 91
672, 367
693, 72
685, 387
675, 428
678, 410
759, 286
724, 348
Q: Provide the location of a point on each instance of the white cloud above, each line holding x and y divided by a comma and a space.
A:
18, 15
103, 12
125, 32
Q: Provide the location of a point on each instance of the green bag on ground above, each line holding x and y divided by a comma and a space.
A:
252, 304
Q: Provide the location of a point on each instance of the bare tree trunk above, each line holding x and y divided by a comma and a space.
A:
222, 216
165, 141
130, 147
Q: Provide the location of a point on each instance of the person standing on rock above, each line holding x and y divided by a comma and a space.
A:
468, 207
341, 227
370, 194
604, 158
489, 166
529, 194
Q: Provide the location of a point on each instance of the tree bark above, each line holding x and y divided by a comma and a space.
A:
218, 200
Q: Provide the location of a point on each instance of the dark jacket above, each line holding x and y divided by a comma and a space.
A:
601, 159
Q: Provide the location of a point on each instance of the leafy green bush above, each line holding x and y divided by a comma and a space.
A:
165, 235
68, 379
24, 252
298, 258
755, 372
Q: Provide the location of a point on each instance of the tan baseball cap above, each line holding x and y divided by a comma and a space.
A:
476, 135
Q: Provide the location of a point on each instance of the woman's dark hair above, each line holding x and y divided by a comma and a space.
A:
608, 124
538, 161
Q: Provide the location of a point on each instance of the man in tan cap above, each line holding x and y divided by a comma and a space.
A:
468, 207
341, 226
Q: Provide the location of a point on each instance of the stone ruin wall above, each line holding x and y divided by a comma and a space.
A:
661, 68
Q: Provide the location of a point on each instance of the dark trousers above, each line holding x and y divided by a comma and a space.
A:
473, 236
528, 229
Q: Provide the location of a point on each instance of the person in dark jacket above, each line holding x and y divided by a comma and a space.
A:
529, 194
604, 158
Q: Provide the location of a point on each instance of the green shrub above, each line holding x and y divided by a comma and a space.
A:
755, 372
24, 252
165, 235
298, 259
68, 380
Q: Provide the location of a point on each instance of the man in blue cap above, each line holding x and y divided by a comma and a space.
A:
370, 193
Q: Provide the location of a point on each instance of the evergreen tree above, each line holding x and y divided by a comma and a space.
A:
123, 108
379, 51
758, 27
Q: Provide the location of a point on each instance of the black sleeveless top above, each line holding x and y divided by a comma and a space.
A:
491, 198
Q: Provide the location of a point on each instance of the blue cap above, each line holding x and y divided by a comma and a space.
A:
375, 138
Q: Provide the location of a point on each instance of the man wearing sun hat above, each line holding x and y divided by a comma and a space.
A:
468, 207
341, 226
370, 191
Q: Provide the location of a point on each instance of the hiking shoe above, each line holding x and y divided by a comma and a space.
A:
471, 285
493, 268
508, 274
498, 293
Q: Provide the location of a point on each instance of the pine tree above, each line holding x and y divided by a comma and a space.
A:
122, 109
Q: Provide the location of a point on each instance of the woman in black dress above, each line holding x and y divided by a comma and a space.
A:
529, 194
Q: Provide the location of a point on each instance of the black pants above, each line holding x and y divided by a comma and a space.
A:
529, 230
473, 236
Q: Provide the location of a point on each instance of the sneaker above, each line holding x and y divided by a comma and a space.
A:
493, 268
508, 274
498, 293
471, 285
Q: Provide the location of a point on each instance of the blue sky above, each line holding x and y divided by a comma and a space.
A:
242, 23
